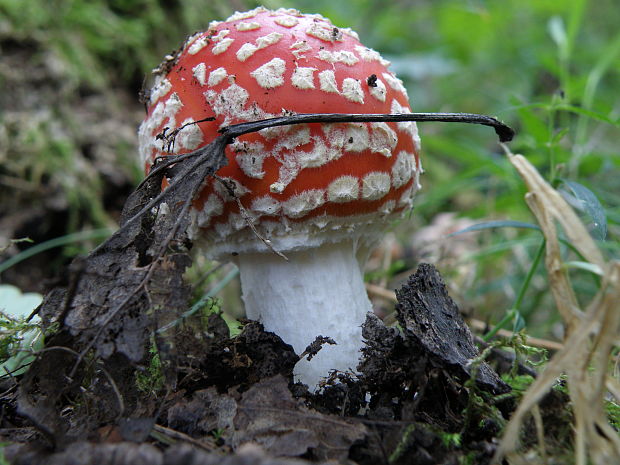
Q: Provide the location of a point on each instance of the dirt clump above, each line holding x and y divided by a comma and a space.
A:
233, 399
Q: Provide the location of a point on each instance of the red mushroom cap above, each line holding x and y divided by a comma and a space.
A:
301, 184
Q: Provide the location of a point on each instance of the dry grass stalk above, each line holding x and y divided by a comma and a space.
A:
590, 337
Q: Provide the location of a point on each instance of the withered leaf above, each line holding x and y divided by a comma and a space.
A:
204, 412
269, 415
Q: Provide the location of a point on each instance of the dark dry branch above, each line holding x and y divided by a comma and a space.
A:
429, 316
117, 392
214, 158
170, 138
504, 132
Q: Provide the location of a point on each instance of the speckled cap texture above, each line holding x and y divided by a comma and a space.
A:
301, 185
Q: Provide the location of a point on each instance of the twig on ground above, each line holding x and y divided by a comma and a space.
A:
177, 435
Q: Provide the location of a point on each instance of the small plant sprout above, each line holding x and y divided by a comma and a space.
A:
20, 336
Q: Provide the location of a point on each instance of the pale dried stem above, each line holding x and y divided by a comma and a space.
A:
540, 432
590, 335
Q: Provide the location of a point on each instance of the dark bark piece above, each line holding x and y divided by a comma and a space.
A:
315, 346
108, 307
389, 363
253, 355
268, 353
431, 319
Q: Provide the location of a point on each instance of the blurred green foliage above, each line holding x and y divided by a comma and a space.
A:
106, 42
550, 69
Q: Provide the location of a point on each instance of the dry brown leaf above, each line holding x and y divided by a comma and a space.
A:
268, 415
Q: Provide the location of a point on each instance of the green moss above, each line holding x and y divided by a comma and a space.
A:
451, 440
471, 458
19, 338
151, 380
519, 383
613, 413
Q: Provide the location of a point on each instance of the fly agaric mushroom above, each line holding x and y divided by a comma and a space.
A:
321, 193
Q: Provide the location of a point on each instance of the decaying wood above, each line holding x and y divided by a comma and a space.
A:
429, 316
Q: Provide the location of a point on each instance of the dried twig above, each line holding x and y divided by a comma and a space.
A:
230, 187
170, 138
504, 132
177, 435
117, 392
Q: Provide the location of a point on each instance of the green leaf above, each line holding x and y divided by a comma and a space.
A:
590, 114
496, 224
591, 267
584, 200
56, 242
18, 305
30, 342
518, 323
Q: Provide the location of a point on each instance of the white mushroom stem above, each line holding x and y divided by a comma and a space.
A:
317, 292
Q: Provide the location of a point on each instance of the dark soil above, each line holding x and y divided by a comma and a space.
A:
232, 400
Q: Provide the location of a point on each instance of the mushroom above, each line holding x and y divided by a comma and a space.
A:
322, 194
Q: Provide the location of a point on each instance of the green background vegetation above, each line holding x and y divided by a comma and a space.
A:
550, 69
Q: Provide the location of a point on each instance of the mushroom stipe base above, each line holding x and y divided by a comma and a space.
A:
317, 292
